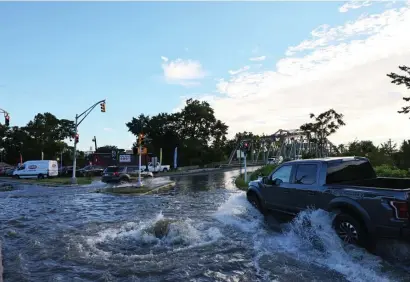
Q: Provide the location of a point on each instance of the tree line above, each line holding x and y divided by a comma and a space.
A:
200, 137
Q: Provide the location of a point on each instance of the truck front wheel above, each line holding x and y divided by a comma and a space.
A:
254, 200
350, 230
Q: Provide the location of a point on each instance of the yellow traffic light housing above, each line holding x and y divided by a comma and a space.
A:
140, 139
102, 107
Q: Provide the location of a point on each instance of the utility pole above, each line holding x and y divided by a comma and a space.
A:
76, 136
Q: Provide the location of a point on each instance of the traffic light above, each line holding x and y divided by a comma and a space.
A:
245, 147
76, 138
7, 119
141, 138
102, 107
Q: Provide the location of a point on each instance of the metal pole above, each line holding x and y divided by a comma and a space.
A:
139, 183
61, 160
240, 162
244, 163
74, 179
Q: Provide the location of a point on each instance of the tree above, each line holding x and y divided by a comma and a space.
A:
323, 125
45, 130
402, 79
196, 132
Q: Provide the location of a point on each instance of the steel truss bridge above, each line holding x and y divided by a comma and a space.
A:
285, 145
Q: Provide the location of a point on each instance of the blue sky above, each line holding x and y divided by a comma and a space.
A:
63, 57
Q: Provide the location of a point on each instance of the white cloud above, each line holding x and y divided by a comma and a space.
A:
183, 72
108, 129
233, 72
258, 59
351, 5
165, 59
340, 72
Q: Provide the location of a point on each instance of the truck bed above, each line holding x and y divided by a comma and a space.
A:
381, 182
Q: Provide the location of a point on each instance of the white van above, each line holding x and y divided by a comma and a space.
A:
37, 169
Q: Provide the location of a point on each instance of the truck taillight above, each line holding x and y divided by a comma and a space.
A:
116, 173
401, 209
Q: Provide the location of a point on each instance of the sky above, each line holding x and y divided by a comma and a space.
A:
262, 66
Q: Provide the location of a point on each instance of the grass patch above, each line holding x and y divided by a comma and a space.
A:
59, 180
66, 180
263, 171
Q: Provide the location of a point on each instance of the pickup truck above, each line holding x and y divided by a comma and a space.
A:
366, 207
157, 168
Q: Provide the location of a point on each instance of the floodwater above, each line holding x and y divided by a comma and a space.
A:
75, 234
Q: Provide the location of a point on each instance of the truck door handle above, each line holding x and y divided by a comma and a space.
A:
312, 193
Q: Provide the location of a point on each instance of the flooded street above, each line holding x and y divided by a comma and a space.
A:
75, 234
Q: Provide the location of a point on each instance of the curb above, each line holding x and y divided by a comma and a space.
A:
134, 190
159, 188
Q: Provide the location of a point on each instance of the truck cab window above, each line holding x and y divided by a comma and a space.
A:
283, 173
306, 174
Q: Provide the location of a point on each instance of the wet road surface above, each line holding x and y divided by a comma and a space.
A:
75, 234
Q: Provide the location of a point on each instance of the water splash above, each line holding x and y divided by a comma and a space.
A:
138, 239
308, 239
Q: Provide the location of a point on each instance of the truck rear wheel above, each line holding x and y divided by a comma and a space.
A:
350, 230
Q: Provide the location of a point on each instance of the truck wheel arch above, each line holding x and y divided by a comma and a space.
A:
254, 193
349, 206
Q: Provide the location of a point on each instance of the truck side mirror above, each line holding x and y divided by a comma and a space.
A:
265, 179
277, 181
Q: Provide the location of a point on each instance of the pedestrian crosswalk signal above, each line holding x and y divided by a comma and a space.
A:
102, 107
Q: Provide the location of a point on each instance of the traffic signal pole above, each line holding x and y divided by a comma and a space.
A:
244, 168
6, 116
139, 183
77, 123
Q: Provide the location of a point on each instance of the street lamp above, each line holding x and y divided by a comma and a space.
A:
76, 136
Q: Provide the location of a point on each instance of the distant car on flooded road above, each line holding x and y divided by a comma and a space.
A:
117, 174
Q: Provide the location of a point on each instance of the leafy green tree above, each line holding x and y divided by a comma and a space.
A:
399, 80
322, 126
199, 136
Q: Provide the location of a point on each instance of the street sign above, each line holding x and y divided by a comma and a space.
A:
144, 151
114, 155
125, 158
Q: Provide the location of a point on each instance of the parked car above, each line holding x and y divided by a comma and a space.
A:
37, 169
367, 207
9, 172
116, 174
4, 169
67, 171
91, 170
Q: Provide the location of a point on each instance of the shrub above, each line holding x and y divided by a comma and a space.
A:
390, 171
263, 171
